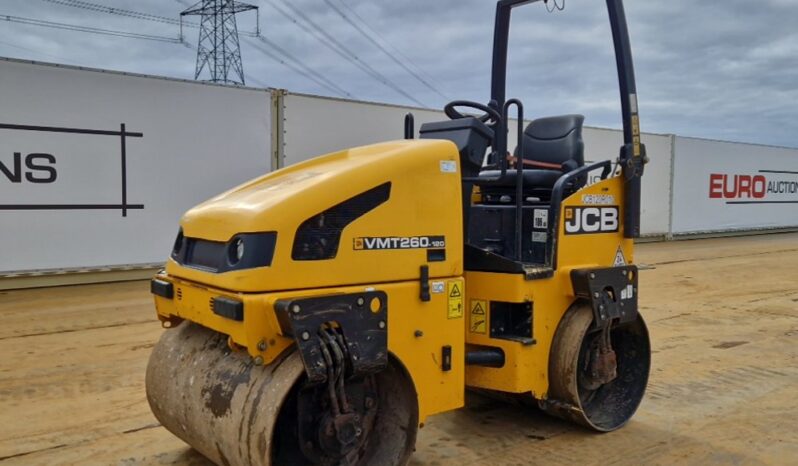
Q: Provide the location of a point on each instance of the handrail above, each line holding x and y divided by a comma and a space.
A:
559, 186
556, 204
519, 178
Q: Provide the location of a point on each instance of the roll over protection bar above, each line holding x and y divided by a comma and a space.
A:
632, 155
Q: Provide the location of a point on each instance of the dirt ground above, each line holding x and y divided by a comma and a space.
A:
723, 316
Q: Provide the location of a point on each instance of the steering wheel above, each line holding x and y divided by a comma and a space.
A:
490, 114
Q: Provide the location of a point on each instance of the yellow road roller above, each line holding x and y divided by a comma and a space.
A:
321, 313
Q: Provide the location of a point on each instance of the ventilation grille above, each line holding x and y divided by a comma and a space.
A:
318, 237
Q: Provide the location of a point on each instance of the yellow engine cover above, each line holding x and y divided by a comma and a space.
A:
424, 202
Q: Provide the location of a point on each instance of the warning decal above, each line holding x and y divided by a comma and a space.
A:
620, 260
455, 299
541, 218
478, 322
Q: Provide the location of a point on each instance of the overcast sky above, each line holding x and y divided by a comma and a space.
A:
718, 69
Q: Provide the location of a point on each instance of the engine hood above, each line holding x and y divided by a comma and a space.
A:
424, 201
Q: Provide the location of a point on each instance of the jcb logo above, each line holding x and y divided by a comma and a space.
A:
586, 220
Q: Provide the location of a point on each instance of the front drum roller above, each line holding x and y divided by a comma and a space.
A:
601, 402
237, 413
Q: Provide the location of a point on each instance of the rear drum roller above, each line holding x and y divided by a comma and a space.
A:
238, 413
597, 378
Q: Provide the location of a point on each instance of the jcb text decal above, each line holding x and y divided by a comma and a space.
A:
399, 242
587, 220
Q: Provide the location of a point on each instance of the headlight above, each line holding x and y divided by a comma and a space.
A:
239, 248
243, 251
235, 252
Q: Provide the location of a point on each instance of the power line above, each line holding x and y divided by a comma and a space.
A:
289, 60
383, 49
76, 28
118, 11
336, 46
294, 67
96, 7
89, 29
38, 52
344, 51
396, 49
293, 63
298, 66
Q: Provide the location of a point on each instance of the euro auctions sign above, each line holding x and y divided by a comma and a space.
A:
767, 186
723, 186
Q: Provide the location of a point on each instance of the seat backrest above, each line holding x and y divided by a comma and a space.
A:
555, 140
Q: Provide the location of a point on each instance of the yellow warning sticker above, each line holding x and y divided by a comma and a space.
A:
479, 318
635, 125
455, 293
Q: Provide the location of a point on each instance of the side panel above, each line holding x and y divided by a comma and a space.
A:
591, 228
596, 243
526, 367
724, 186
418, 332
194, 141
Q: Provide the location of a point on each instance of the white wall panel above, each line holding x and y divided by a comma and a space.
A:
603, 144
196, 141
316, 125
724, 186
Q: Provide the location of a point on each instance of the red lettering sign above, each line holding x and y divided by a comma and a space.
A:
716, 185
722, 186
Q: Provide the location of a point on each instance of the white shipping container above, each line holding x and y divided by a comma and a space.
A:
64, 201
724, 186
97, 167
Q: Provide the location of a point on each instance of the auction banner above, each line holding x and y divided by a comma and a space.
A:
723, 186
96, 168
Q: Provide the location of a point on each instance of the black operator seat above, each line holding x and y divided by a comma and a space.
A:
553, 146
